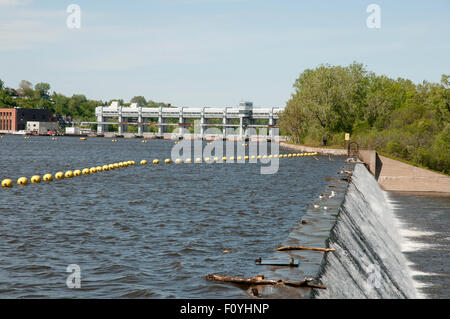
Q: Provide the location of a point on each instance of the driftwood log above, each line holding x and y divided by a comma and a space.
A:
260, 280
283, 248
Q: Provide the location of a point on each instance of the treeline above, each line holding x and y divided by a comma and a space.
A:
77, 107
397, 117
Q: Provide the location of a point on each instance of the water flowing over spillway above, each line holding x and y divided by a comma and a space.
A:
368, 261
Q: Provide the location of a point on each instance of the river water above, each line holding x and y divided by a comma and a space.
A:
425, 226
143, 231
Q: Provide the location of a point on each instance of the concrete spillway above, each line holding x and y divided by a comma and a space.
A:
368, 261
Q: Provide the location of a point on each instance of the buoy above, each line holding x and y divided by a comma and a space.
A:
59, 175
47, 177
232, 158
82, 139
289, 155
275, 156
120, 164
35, 179
253, 157
239, 158
155, 161
99, 168
246, 157
92, 170
188, 160
178, 161
76, 172
264, 156
224, 159
116, 165
68, 174
7, 183
207, 159
216, 159
258, 157
143, 162
285, 155
133, 162
111, 166
198, 160
22, 181
105, 167
167, 161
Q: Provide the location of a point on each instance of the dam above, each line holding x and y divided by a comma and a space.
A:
235, 120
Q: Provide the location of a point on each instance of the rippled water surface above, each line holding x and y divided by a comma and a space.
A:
143, 231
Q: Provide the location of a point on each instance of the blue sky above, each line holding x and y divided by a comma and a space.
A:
214, 52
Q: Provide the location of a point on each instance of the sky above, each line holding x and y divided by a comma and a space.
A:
214, 53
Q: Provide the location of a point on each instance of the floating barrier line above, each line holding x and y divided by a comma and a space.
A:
36, 179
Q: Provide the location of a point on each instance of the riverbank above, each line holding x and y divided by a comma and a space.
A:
391, 174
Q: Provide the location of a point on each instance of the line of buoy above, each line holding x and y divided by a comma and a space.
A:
35, 179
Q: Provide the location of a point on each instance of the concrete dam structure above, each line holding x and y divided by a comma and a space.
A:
245, 114
368, 261
359, 223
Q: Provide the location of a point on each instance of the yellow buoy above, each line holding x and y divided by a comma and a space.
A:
22, 181
289, 155
121, 164
178, 161
232, 158
68, 174
198, 160
207, 159
188, 160
143, 162
59, 175
7, 183
116, 165
105, 167
246, 157
224, 159
47, 177
216, 159
99, 168
111, 166
93, 170
239, 158
85, 171
76, 172
258, 157
35, 179
156, 161
264, 156
167, 161
270, 156
253, 157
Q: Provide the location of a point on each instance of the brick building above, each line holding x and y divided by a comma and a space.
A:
15, 119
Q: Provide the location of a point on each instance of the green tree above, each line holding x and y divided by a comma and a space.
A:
140, 100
